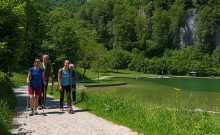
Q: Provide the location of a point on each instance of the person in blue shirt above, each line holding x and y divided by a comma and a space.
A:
34, 80
74, 81
64, 81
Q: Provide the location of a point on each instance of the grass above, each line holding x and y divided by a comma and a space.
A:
19, 79
90, 74
147, 119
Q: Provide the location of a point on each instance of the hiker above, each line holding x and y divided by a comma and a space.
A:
48, 72
74, 81
64, 81
34, 80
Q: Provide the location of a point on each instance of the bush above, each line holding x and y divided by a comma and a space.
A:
7, 103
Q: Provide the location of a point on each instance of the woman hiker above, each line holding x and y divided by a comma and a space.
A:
64, 81
74, 81
34, 80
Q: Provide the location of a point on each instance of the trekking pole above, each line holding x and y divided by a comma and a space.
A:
44, 99
27, 102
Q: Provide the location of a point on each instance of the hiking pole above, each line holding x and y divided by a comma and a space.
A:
27, 102
44, 99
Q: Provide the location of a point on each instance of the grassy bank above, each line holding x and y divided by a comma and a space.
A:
156, 105
19, 79
147, 119
7, 103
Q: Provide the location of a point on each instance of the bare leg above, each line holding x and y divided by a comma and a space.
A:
36, 99
31, 104
31, 101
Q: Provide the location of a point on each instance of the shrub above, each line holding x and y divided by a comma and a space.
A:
7, 103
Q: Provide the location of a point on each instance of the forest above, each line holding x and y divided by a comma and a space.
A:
150, 36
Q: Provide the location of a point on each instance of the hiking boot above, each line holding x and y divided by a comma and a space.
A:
43, 107
31, 113
35, 111
70, 111
40, 108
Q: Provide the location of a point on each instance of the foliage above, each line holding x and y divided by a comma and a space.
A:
137, 61
11, 33
119, 58
7, 102
207, 21
179, 62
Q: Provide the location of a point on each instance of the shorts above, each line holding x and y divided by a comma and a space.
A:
33, 90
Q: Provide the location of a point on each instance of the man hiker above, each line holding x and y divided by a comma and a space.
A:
48, 72
74, 81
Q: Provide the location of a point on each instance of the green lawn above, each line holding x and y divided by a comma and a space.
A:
90, 74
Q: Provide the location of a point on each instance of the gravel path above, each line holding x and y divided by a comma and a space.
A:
103, 78
56, 122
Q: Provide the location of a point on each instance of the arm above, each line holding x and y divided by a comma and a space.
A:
59, 79
28, 77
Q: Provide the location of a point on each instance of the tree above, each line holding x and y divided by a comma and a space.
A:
11, 34
88, 48
101, 61
176, 16
206, 23
61, 39
216, 58
137, 62
120, 58
160, 33
124, 25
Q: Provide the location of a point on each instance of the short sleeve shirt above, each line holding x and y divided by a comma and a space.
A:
36, 77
